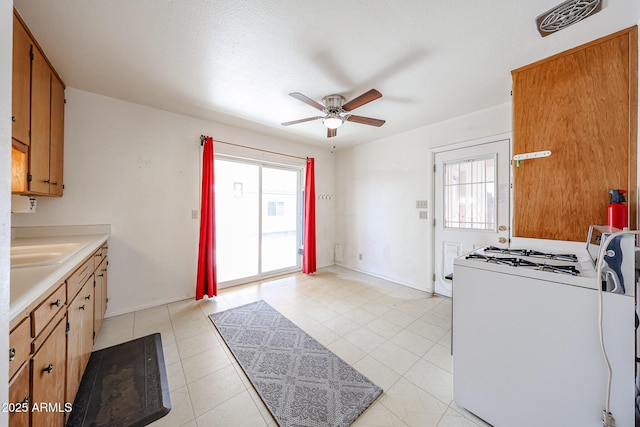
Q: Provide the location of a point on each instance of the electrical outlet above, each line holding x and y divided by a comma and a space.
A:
421, 204
360, 257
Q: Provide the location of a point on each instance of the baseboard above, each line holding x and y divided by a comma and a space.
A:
390, 279
155, 303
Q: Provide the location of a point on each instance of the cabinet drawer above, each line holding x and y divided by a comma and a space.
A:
79, 278
100, 255
19, 346
42, 315
19, 401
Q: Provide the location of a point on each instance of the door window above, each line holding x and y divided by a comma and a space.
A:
470, 193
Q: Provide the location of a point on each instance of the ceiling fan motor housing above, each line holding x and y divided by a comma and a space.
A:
333, 103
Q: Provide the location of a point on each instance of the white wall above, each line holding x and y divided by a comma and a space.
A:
137, 168
6, 31
377, 185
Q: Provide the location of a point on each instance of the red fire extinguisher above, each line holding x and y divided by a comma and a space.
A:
617, 210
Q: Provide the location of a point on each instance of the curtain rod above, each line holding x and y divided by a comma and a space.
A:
202, 138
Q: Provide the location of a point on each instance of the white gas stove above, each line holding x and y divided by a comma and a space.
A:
526, 347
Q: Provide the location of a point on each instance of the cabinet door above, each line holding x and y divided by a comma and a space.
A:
40, 124
21, 84
97, 307
48, 379
19, 401
79, 338
582, 106
56, 149
100, 294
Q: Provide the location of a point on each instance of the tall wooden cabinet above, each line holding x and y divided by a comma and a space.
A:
582, 105
37, 118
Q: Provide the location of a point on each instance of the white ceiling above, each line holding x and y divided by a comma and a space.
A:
235, 61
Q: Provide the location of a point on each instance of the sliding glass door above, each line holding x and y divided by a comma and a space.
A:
257, 220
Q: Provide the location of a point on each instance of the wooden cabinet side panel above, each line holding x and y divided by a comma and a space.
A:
56, 149
579, 107
48, 385
21, 84
19, 168
40, 124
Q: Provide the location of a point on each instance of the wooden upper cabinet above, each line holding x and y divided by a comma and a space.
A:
38, 118
21, 84
40, 124
56, 149
582, 106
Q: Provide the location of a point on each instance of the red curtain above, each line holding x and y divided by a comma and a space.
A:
309, 253
207, 283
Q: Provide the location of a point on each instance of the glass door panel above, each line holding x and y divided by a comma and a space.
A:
279, 219
237, 219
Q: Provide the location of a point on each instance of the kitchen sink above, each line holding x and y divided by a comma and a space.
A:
39, 255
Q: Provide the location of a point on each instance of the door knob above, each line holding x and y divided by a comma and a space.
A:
502, 240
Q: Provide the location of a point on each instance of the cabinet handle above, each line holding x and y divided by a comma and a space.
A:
81, 307
12, 354
13, 119
54, 183
88, 297
100, 254
25, 401
57, 303
100, 275
48, 369
46, 181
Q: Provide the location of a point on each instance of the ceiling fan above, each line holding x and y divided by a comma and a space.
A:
334, 107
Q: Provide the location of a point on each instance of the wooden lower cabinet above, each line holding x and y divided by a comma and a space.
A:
48, 373
79, 337
19, 401
51, 343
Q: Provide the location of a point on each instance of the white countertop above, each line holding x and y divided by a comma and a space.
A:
29, 283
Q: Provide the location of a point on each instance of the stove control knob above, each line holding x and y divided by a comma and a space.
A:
502, 240
502, 228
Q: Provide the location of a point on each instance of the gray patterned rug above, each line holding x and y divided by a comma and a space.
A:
301, 382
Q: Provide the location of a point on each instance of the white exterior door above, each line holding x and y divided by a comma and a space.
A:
472, 202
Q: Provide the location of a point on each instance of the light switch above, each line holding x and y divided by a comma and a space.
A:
423, 214
194, 214
421, 204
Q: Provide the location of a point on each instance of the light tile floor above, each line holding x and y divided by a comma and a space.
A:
399, 337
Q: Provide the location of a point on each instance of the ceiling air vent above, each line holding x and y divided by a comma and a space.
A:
566, 14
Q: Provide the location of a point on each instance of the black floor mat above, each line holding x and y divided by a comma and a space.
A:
124, 385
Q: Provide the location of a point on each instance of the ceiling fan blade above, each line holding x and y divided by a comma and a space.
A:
331, 132
307, 100
361, 100
295, 122
364, 120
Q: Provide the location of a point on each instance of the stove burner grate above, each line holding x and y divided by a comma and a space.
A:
532, 253
519, 262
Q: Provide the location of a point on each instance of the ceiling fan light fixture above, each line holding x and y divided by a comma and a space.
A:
332, 121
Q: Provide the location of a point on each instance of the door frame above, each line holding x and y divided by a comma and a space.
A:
457, 146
